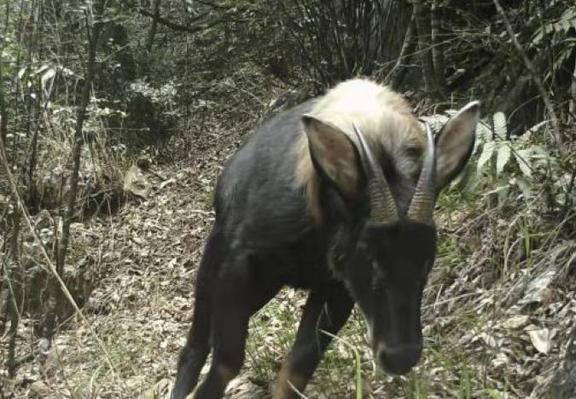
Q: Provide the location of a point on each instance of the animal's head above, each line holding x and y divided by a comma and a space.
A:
382, 243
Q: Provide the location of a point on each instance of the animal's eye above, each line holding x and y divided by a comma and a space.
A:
413, 151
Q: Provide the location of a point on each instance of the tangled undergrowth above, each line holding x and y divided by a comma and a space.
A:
175, 87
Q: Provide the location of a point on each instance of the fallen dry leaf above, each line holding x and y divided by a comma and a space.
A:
542, 339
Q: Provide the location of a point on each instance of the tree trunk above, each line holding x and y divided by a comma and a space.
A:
153, 26
424, 45
437, 45
398, 72
572, 106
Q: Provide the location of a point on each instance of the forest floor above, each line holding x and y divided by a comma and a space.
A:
146, 256
140, 310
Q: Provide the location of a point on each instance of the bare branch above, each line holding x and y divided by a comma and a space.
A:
183, 28
154, 26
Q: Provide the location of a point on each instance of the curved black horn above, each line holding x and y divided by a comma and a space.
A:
422, 205
382, 205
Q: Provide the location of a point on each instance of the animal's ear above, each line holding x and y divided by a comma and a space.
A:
334, 156
455, 143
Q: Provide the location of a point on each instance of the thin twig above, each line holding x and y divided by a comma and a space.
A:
183, 28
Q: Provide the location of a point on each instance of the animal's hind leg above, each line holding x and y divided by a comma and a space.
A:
239, 293
324, 315
194, 353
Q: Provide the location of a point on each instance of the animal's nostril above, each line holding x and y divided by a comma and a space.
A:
399, 359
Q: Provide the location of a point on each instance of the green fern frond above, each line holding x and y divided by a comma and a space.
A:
500, 127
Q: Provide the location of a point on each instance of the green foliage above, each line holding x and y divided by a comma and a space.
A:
560, 25
513, 163
206, 71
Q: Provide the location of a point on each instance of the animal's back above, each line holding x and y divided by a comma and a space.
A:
268, 193
257, 195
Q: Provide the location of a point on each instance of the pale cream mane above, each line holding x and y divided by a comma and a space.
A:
384, 118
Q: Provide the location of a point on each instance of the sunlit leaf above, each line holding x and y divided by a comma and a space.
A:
522, 159
21, 72
48, 75
485, 155
542, 339
502, 157
500, 128
483, 132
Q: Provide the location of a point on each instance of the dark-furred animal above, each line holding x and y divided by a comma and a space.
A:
335, 196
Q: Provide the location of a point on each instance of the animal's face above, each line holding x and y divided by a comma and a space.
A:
383, 240
385, 268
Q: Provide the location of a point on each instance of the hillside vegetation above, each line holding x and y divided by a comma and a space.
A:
116, 117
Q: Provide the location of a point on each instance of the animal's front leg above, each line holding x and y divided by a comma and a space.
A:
324, 315
239, 293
